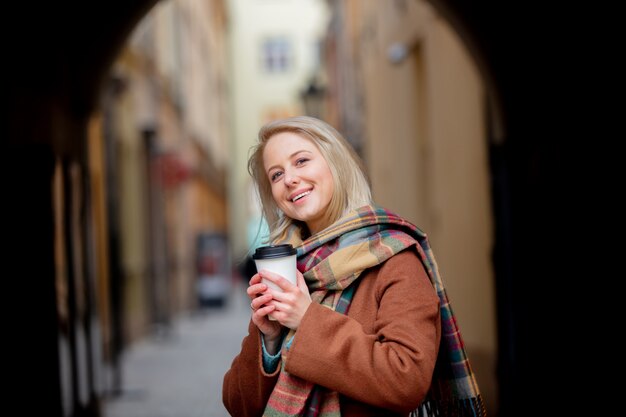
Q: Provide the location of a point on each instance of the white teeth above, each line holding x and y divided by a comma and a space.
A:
299, 196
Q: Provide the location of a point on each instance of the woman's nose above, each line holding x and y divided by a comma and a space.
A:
291, 179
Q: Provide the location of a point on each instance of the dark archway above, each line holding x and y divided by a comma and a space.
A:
524, 53
59, 57
56, 62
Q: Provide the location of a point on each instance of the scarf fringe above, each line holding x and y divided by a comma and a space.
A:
471, 407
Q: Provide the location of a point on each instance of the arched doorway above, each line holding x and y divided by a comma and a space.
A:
54, 81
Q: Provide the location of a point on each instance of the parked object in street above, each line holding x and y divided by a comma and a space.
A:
214, 273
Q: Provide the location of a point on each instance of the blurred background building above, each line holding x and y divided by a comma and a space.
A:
402, 83
159, 158
274, 51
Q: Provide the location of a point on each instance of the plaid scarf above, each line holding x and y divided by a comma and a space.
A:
331, 261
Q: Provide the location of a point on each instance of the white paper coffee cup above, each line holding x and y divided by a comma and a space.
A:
280, 259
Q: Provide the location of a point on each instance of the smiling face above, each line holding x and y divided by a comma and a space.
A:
300, 178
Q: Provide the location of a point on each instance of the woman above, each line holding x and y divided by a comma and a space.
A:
361, 332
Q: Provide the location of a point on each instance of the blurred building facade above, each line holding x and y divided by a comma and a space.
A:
275, 51
402, 86
158, 159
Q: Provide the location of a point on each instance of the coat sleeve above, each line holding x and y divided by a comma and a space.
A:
390, 363
246, 386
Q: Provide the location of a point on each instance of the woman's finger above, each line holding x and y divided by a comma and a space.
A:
302, 284
259, 301
255, 289
256, 278
273, 277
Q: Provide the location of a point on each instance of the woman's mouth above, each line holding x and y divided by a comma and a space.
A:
300, 195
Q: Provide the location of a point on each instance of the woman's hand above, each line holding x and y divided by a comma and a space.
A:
260, 297
290, 304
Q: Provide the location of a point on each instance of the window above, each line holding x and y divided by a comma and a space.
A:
276, 55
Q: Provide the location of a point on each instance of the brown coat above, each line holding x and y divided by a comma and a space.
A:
380, 357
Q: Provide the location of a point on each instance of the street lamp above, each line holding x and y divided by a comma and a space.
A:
313, 99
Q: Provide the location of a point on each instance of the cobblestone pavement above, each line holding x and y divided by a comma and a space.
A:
181, 375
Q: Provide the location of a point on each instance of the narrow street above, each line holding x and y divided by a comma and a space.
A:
181, 375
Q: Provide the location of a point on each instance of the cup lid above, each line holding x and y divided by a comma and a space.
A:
274, 251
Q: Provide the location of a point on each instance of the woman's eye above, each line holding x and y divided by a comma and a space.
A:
275, 175
301, 161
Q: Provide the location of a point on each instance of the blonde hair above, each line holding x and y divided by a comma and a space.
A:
351, 187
